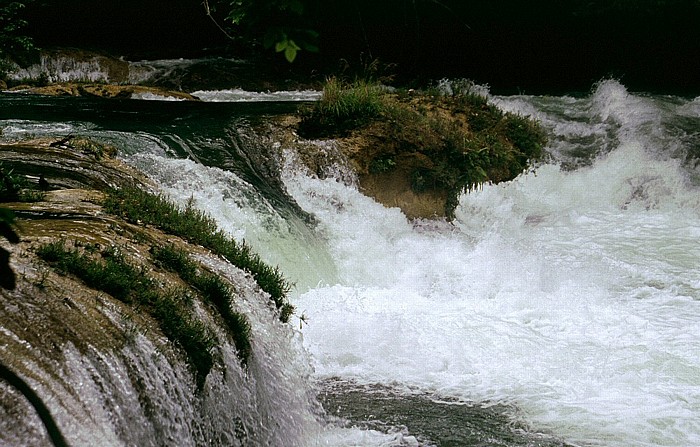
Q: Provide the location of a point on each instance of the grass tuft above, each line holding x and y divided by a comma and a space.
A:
343, 107
112, 274
213, 289
196, 227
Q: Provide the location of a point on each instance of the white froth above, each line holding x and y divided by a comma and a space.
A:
239, 95
573, 295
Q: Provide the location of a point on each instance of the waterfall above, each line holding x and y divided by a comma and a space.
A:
558, 309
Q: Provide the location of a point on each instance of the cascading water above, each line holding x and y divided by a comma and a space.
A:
564, 305
571, 294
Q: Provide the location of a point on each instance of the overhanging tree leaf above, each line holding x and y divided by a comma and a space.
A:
290, 53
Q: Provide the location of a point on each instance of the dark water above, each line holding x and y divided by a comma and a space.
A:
433, 420
214, 134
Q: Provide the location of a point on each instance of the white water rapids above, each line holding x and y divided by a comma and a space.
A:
571, 294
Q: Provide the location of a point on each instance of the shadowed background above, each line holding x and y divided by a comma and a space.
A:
532, 47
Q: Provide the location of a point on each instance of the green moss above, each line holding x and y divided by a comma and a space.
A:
382, 164
113, 274
194, 226
190, 333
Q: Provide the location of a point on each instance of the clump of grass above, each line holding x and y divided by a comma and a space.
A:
343, 107
213, 289
113, 274
190, 333
454, 138
194, 226
94, 148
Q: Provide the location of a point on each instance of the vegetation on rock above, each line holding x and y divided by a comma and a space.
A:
121, 270
213, 288
344, 107
139, 206
110, 272
16, 188
450, 140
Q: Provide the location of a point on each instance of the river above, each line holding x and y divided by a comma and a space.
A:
562, 308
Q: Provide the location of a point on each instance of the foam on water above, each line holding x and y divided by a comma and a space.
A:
571, 294
239, 95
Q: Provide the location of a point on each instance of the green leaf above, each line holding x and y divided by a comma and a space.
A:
309, 47
296, 6
290, 53
237, 13
281, 45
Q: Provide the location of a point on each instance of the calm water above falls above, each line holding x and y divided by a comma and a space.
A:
568, 299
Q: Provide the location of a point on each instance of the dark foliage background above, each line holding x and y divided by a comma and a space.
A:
550, 46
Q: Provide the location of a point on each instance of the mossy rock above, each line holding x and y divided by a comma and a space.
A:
421, 151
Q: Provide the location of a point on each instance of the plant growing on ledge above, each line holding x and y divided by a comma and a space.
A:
445, 139
196, 227
213, 288
344, 106
16, 188
113, 274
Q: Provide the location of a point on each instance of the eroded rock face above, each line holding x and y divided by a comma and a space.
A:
351, 159
386, 175
104, 367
